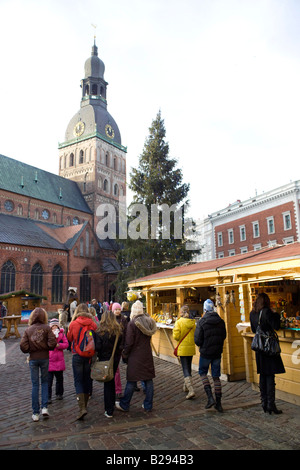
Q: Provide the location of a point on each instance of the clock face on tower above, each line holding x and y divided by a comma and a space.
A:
109, 131
79, 129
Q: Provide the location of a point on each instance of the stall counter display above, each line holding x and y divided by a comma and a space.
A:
167, 314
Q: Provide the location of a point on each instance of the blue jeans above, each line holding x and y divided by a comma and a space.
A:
129, 390
186, 364
82, 373
215, 366
37, 365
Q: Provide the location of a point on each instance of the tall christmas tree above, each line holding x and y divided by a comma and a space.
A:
158, 213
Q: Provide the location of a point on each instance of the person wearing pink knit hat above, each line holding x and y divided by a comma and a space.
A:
122, 320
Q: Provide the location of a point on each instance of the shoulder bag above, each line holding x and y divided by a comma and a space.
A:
265, 343
103, 371
175, 352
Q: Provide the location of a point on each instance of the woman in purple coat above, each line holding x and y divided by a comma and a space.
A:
57, 361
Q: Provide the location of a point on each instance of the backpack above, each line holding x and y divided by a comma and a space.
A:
85, 344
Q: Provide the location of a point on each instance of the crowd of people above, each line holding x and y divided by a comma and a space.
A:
130, 331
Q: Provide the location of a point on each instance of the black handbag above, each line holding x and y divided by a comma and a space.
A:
266, 343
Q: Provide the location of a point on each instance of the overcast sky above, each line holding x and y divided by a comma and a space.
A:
224, 73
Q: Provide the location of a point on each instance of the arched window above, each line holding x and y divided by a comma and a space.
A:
116, 190
105, 186
115, 163
87, 90
85, 286
71, 161
81, 154
106, 159
87, 243
37, 279
20, 210
36, 214
94, 89
57, 284
8, 277
81, 246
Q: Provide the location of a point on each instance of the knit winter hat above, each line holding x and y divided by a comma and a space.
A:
208, 306
137, 309
54, 322
116, 306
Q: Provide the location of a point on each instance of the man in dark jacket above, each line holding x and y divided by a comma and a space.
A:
210, 334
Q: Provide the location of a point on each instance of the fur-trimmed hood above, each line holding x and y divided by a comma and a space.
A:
145, 324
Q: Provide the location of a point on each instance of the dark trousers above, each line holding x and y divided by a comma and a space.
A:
110, 394
82, 373
59, 387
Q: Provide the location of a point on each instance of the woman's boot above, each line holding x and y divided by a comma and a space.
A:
263, 392
271, 407
189, 385
211, 400
81, 399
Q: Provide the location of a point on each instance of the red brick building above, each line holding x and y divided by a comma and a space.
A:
269, 219
48, 223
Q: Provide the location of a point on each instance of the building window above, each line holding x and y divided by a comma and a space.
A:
231, 252
8, 277
271, 226
36, 283
87, 243
106, 159
288, 240
85, 286
54, 217
221, 254
105, 186
244, 249
257, 247
81, 156
81, 246
71, 161
255, 229
57, 284
92, 248
220, 239
230, 236
272, 243
116, 190
20, 210
242, 233
287, 223
36, 214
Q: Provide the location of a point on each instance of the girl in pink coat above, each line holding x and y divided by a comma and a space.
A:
57, 361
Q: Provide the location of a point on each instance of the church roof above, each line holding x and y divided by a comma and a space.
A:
27, 232
20, 178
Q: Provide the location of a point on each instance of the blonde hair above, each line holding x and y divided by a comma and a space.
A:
108, 324
184, 311
125, 306
82, 309
92, 310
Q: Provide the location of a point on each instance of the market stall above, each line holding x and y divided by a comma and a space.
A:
233, 284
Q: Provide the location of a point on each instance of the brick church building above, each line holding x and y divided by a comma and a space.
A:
48, 236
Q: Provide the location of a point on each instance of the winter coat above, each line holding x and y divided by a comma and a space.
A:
84, 319
105, 346
269, 320
38, 339
209, 335
56, 357
137, 351
122, 320
181, 327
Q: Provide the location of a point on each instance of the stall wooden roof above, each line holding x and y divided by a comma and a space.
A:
281, 260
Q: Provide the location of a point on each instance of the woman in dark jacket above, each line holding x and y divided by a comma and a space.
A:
267, 366
106, 335
138, 354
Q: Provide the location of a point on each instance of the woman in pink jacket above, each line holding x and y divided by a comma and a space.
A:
57, 361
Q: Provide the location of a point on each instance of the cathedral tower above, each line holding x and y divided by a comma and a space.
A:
92, 154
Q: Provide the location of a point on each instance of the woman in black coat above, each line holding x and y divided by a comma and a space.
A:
105, 340
267, 366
